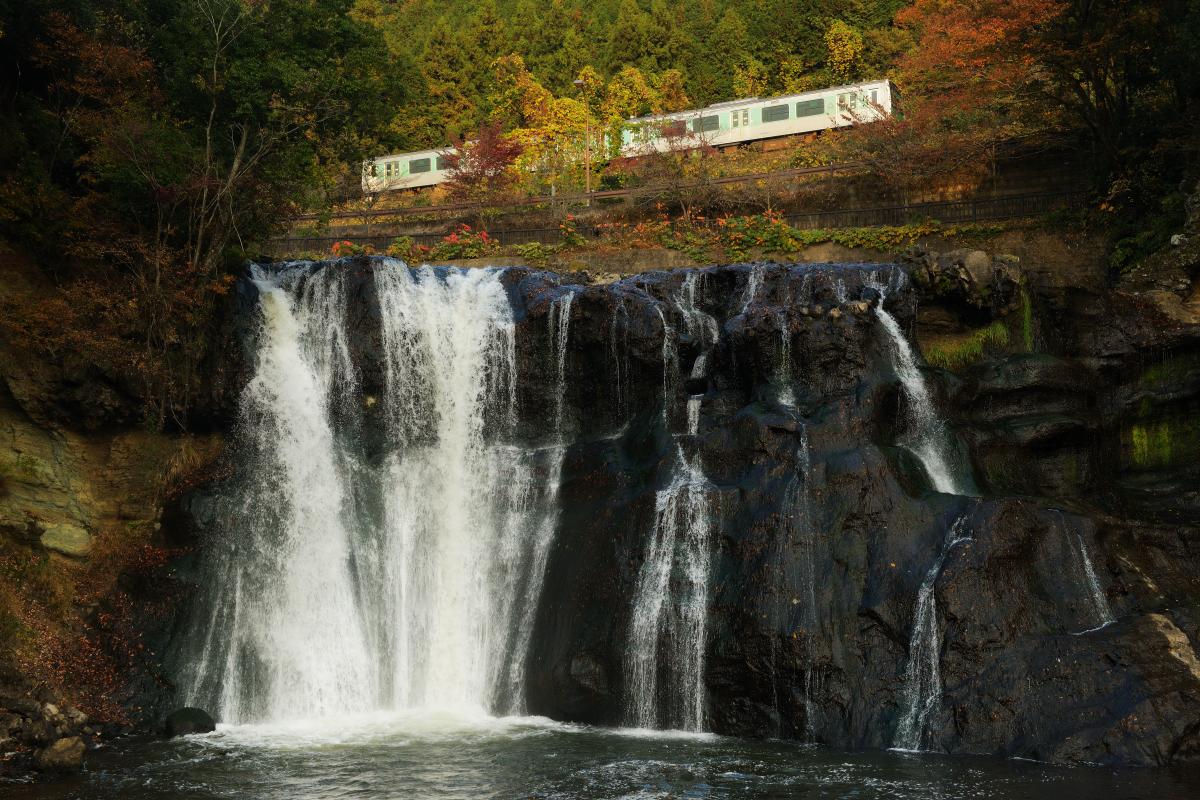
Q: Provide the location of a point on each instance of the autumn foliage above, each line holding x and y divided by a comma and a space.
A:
483, 168
146, 151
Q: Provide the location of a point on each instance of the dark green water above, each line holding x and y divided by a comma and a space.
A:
446, 757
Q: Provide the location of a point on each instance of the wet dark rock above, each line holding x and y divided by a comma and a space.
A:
184, 721
818, 556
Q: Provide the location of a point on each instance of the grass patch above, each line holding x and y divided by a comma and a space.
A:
955, 352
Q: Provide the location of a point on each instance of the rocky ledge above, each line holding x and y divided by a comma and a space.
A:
38, 733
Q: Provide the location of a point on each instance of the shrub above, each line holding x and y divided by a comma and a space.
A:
401, 247
571, 236
346, 248
533, 252
464, 243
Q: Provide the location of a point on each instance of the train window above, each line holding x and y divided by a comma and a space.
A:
733, 119
874, 97
848, 101
745, 117
387, 169
810, 108
418, 165
674, 127
775, 113
706, 124
441, 163
374, 169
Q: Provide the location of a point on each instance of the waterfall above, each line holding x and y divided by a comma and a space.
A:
753, 282
923, 675
407, 581
801, 531
678, 553
1096, 594
1086, 570
560, 322
783, 376
701, 328
285, 638
928, 438
619, 344
678, 549
694, 401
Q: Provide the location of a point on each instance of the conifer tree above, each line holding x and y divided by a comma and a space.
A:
629, 39
446, 70
729, 48
563, 65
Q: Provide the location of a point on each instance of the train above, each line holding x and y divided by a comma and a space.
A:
721, 125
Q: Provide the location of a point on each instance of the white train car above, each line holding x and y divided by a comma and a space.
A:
406, 170
727, 124
740, 121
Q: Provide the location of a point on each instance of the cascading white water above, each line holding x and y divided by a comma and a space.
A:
679, 553
753, 282
554, 453
801, 531
923, 675
448, 348
679, 547
1096, 595
285, 638
783, 374
1102, 613
927, 437
694, 401
402, 583
703, 329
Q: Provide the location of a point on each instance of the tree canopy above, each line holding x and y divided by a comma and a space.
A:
148, 146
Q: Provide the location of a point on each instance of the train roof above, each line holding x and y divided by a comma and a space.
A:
726, 105
434, 151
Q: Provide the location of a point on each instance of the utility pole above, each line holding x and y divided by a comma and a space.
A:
587, 147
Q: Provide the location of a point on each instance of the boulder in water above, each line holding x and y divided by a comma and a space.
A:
62, 755
184, 721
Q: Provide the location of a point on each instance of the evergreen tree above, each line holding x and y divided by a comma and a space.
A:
484, 40
563, 65
539, 32
700, 66
447, 68
728, 48
628, 43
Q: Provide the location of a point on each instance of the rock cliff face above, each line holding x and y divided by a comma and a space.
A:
1050, 614
1050, 609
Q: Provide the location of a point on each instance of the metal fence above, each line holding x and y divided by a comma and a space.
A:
565, 200
988, 209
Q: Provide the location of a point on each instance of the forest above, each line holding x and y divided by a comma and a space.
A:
149, 147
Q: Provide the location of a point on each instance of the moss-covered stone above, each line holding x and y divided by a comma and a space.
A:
70, 540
